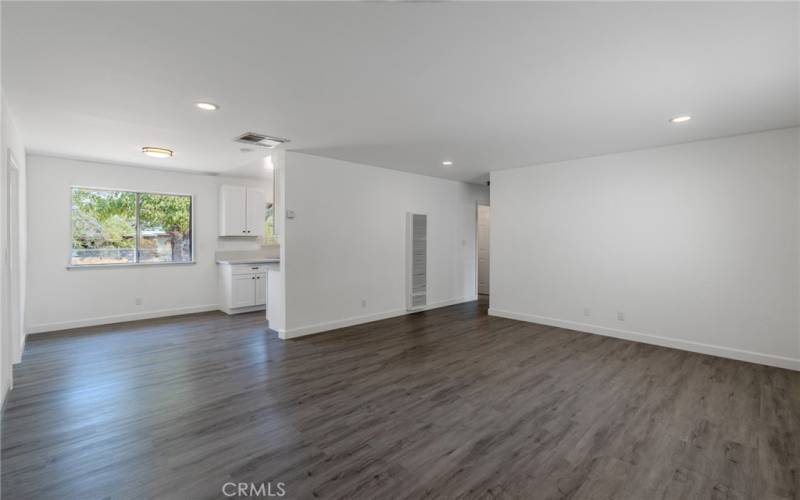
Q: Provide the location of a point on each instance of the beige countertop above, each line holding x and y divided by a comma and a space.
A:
248, 261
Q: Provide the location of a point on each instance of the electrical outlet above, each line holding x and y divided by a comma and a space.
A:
587, 312
138, 301
620, 316
363, 302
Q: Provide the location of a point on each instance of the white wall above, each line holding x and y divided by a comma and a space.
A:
60, 298
11, 143
347, 242
696, 243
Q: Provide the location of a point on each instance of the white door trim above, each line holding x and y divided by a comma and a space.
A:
477, 246
11, 259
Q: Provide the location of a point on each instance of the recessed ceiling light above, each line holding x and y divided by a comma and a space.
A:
447, 163
207, 106
157, 152
680, 119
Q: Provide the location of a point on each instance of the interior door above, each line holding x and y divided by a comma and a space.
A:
483, 248
256, 206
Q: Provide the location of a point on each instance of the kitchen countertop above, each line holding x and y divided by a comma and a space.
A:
248, 261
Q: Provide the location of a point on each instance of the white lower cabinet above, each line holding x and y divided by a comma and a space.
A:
243, 291
261, 289
243, 287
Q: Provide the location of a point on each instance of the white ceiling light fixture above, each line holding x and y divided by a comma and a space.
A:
207, 106
680, 119
447, 163
157, 152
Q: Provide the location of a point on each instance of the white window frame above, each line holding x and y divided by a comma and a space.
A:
70, 265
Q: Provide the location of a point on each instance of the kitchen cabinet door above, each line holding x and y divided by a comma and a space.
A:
243, 290
233, 211
256, 206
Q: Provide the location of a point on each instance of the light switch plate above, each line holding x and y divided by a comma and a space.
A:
290, 214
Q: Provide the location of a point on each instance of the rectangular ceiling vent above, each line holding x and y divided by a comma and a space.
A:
261, 140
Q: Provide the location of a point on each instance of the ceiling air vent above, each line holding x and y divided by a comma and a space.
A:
261, 140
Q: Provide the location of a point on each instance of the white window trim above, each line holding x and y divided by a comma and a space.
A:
71, 266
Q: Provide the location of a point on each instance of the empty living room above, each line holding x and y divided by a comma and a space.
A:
399, 250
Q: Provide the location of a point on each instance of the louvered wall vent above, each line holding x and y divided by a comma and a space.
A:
416, 261
261, 140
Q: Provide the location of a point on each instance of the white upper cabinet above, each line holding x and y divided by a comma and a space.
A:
256, 205
241, 211
232, 211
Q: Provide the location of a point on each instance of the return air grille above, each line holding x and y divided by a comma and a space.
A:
417, 261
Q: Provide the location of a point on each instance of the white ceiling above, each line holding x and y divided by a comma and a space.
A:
399, 85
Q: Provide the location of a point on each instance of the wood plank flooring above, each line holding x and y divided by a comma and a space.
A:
449, 403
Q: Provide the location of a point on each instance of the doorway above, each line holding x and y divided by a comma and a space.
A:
483, 232
11, 261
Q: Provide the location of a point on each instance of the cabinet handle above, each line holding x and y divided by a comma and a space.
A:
253, 278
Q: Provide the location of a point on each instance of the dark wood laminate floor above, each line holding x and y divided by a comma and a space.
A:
443, 404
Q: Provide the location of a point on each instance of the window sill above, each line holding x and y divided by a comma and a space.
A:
71, 267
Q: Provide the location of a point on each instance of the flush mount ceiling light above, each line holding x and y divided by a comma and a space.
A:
157, 152
447, 163
207, 106
680, 119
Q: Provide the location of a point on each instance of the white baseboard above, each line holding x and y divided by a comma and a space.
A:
240, 310
367, 318
6, 389
646, 338
18, 357
119, 318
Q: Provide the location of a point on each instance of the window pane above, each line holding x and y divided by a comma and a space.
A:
165, 224
103, 227
269, 223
